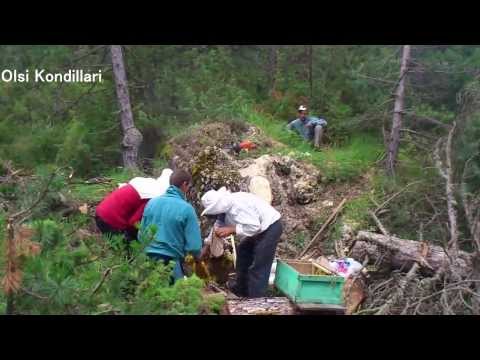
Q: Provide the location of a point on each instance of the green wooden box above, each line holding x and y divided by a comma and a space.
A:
296, 280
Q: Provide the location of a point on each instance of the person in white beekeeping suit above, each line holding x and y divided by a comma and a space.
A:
258, 226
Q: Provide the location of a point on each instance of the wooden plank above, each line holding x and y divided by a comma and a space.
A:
322, 269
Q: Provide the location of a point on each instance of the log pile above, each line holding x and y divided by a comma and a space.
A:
403, 254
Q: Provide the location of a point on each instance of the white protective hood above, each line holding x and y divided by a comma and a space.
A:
216, 202
249, 213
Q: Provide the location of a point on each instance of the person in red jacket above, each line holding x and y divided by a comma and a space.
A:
121, 211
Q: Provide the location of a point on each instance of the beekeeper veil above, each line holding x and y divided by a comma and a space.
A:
216, 202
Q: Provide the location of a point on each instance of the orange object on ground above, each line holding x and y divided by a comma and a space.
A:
247, 145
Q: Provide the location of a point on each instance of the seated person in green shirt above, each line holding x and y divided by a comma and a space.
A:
311, 128
176, 224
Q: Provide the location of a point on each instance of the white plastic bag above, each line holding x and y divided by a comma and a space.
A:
271, 279
346, 267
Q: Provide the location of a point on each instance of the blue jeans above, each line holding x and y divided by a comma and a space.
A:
178, 272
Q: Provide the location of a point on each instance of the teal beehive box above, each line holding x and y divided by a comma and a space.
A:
297, 280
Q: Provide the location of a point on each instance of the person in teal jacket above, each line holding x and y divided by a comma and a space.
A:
174, 223
310, 127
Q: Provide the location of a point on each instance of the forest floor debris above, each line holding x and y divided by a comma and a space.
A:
298, 190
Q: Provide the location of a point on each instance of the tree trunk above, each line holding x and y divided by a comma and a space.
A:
450, 192
403, 254
394, 141
273, 67
310, 72
132, 138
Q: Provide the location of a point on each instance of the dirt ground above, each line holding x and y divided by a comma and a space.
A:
297, 188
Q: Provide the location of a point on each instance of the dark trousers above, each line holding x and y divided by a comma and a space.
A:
128, 235
255, 256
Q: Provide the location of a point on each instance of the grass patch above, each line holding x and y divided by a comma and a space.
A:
356, 211
96, 192
337, 163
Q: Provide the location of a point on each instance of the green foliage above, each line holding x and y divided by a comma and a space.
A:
468, 154
440, 113
68, 270
351, 160
299, 241
48, 233
337, 163
356, 211
62, 279
215, 303
156, 297
26, 193
75, 151
175, 86
94, 193
419, 194
29, 145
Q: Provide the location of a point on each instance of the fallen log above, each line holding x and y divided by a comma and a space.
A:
398, 295
403, 254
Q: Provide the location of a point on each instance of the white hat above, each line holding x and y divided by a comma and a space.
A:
302, 108
215, 202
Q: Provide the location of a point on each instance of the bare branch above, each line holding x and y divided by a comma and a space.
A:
387, 307
40, 198
471, 206
379, 224
395, 195
416, 133
324, 226
446, 171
